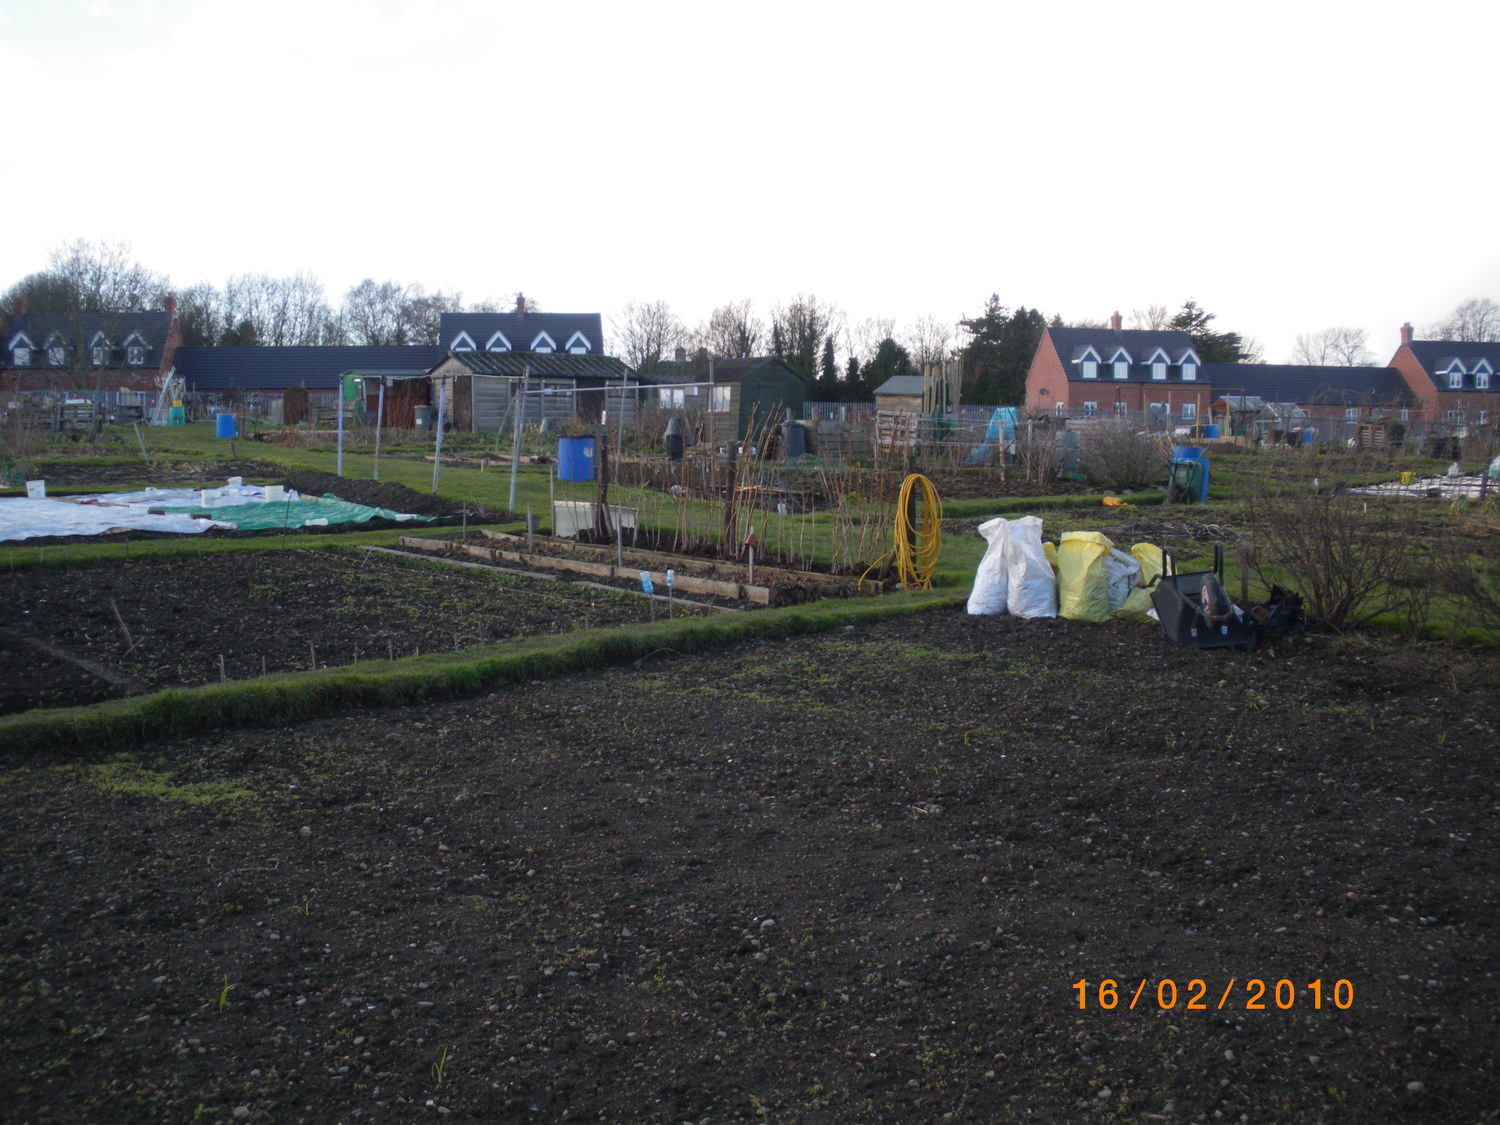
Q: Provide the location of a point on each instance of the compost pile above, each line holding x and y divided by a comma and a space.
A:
852, 877
388, 494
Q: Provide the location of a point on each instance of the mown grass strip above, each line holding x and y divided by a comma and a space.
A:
297, 697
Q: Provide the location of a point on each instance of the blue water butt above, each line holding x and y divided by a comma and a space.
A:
224, 426
575, 458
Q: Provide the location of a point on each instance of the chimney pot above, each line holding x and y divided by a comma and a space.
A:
170, 304
1114, 322
1406, 333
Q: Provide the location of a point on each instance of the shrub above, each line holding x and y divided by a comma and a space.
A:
1113, 453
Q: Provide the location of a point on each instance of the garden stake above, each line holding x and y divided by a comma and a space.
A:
312, 656
112, 609
222, 675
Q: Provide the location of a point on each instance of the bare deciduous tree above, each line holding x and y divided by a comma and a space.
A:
929, 340
865, 338
1152, 318
280, 311
648, 332
1477, 320
1339, 346
732, 331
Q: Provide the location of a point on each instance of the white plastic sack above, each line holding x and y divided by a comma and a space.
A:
1033, 587
992, 577
1120, 572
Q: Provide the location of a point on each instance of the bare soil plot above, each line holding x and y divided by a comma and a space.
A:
847, 878
165, 622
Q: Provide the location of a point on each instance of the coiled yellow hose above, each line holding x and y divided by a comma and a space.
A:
916, 550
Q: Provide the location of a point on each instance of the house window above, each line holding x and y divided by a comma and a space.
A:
543, 343
1189, 411
578, 344
1122, 369
57, 355
670, 397
497, 343
23, 355
1090, 409
1456, 379
97, 353
1484, 417
1090, 369
135, 355
1061, 409
1455, 415
1120, 409
1481, 380
1159, 412
720, 400
1351, 413
1159, 372
1405, 414
1189, 372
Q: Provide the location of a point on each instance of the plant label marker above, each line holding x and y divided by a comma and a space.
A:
650, 592
671, 578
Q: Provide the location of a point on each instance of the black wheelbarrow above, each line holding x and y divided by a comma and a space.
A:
1194, 610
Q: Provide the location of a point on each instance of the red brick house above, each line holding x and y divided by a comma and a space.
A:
1452, 381
89, 351
1097, 371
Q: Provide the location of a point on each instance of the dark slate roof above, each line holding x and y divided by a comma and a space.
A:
902, 385
542, 365
1073, 343
79, 333
316, 367
1434, 355
1308, 385
522, 330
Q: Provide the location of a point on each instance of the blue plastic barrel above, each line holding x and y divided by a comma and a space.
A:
1210, 433
575, 458
224, 426
1186, 453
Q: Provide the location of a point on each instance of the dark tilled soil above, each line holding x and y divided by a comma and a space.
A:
849, 878
271, 611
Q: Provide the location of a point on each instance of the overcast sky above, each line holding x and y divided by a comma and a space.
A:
1290, 166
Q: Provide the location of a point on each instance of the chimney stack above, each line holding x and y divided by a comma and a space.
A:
1114, 322
20, 306
170, 304
1406, 333
520, 304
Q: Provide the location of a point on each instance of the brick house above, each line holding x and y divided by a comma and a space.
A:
1115, 370
1452, 382
88, 351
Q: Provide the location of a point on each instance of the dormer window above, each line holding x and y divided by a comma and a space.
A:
578, 344
1158, 362
22, 354
1121, 363
1482, 374
461, 343
99, 350
1088, 362
543, 343
135, 350
1091, 369
57, 355
1456, 379
497, 343
1189, 363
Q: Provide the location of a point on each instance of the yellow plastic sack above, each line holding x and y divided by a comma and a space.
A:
1137, 606
1082, 586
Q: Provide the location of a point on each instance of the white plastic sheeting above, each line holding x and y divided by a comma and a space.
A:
27, 519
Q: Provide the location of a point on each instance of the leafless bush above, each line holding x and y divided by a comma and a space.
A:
1113, 453
1038, 454
1351, 559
